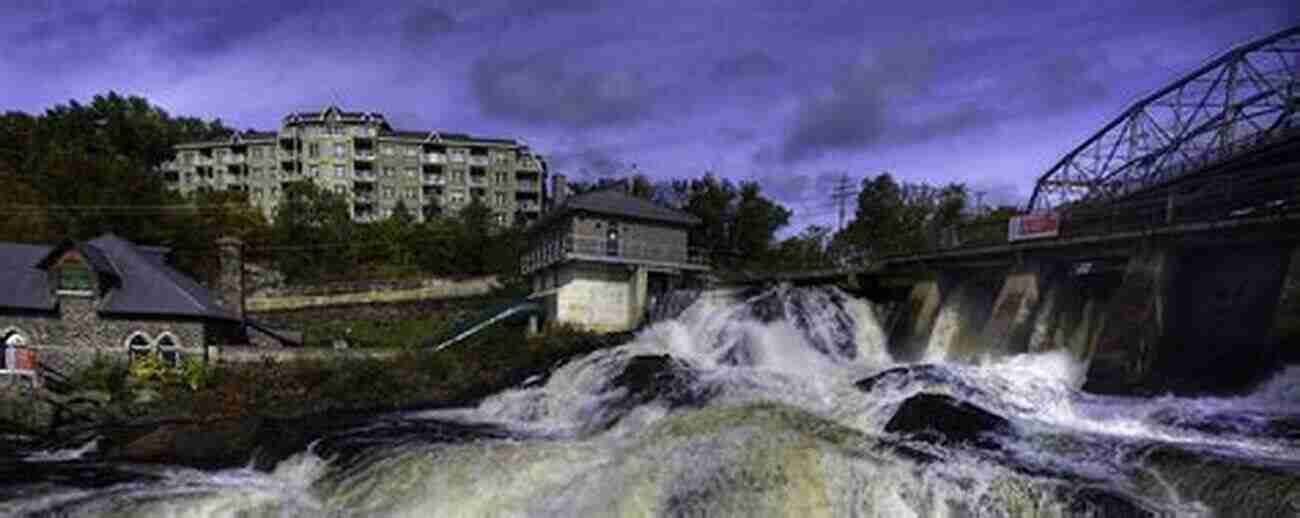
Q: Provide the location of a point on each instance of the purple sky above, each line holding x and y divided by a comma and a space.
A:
773, 90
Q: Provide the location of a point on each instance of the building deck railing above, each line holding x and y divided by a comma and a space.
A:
631, 251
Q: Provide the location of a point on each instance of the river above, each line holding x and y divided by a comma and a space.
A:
784, 402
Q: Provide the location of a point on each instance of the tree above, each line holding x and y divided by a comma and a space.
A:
104, 155
806, 251
893, 218
312, 234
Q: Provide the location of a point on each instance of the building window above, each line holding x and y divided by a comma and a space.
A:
167, 350
338, 170
410, 150
410, 172
314, 171
611, 242
313, 150
138, 346
339, 150
11, 342
386, 149
75, 278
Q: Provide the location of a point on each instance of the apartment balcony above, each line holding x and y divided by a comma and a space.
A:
434, 180
478, 160
435, 158
365, 155
529, 206
203, 161
530, 163
456, 159
528, 185
234, 159
364, 197
478, 180
288, 155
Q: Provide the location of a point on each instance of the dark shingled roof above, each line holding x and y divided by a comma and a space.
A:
22, 284
143, 282
616, 203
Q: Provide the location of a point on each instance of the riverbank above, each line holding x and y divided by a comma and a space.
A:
228, 414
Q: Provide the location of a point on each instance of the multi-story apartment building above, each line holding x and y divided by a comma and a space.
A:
359, 156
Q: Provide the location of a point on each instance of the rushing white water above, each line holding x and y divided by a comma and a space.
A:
751, 406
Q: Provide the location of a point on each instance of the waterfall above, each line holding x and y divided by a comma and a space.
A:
775, 402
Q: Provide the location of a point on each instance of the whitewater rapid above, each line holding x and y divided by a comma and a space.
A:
753, 404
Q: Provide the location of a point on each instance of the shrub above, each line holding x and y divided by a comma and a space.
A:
104, 374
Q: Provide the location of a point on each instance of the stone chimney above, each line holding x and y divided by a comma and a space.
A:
560, 189
230, 279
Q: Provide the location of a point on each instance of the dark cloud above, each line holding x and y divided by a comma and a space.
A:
421, 25
555, 89
746, 65
591, 164
857, 111
1067, 81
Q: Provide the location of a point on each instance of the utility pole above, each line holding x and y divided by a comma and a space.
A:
840, 194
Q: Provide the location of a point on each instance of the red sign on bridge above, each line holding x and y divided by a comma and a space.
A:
1034, 226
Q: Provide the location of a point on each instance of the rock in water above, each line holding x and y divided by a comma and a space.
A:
925, 373
659, 377
941, 419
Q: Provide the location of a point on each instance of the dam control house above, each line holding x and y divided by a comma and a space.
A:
599, 259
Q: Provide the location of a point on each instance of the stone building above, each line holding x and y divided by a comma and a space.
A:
63, 304
600, 258
361, 157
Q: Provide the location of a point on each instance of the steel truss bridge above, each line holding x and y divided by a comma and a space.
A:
1247, 98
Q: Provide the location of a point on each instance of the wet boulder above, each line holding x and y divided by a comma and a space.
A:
217, 443
942, 419
928, 374
660, 377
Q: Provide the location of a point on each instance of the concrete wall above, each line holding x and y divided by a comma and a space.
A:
595, 296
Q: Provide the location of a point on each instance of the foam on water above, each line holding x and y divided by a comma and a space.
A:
774, 425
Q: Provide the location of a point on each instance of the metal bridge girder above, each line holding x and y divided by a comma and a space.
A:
1248, 96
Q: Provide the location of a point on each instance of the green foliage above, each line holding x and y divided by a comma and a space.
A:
100, 154
196, 373
104, 374
150, 369
895, 218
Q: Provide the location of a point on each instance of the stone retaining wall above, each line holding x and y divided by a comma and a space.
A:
367, 292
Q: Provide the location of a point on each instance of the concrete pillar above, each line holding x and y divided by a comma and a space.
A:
230, 279
1010, 323
1286, 327
638, 296
1134, 321
911, 322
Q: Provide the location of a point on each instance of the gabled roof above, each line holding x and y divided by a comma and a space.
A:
22, 284
142, 282
615, 202
150, 286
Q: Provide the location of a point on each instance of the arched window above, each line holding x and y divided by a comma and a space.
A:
138, 346
10, 340
167, 349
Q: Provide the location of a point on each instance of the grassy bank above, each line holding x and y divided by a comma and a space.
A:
491, 361
223, 412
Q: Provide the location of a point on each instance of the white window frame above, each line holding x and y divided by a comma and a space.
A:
132, 349
10, 341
